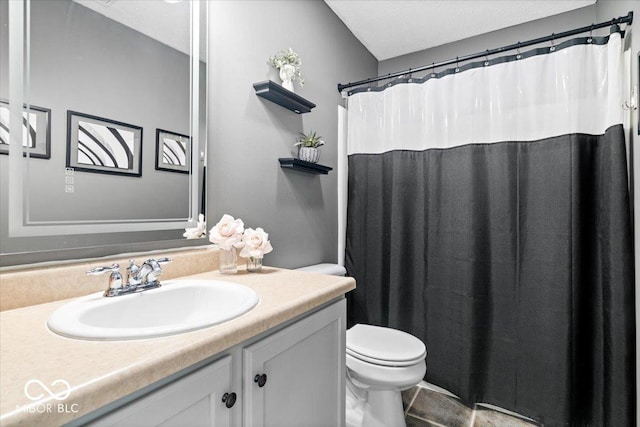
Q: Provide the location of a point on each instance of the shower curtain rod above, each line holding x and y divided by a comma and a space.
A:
620, 20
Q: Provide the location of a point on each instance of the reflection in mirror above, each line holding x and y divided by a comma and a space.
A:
103, 146
173, 151
115, 146
36, 131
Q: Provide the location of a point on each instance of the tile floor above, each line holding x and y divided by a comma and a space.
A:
425, 407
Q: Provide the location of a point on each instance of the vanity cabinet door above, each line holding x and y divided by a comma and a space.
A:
296, 376
194, 400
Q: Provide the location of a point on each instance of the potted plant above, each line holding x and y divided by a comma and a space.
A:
288, 63
308, 147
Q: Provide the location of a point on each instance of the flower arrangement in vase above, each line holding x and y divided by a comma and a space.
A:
229, 234
255, 244
288, 63
308, 147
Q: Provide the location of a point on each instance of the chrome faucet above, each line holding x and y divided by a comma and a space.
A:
139, 278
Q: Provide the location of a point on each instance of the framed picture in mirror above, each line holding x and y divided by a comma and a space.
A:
36, 131
173, 151
99, 145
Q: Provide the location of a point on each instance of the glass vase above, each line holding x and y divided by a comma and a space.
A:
254, 265
228, 261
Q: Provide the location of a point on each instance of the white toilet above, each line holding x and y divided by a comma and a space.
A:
381, 362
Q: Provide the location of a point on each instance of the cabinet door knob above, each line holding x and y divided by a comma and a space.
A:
260, 379
229, 399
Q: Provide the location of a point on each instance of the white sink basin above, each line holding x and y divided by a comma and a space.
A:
177, 306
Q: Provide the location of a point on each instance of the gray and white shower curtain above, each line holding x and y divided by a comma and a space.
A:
488, 214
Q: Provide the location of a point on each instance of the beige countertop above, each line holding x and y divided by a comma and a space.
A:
100, 372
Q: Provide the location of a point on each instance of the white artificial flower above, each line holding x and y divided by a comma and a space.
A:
255, 243
227, 232
200, 230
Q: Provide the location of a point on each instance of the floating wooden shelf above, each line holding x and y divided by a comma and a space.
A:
283, 97
299, 165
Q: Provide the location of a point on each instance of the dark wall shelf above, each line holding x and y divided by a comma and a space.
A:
283, 97
299, 165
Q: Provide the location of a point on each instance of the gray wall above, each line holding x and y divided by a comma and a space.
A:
526, 31
247, 134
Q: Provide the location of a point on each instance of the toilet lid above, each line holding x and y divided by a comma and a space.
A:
384, 346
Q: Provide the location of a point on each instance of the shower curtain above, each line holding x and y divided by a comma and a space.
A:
488, 214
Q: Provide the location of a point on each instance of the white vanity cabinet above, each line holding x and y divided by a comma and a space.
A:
293, 376
296, 376
193, 400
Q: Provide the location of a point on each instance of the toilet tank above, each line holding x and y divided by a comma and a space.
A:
330, 269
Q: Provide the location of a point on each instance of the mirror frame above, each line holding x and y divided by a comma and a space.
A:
19, 225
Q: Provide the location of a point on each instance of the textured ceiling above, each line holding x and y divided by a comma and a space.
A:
166, 22
390, 28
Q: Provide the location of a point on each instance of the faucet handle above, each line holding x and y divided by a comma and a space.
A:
96, 271
115, 279
151, 269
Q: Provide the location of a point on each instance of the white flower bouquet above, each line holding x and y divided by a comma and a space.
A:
227, 233
255, 243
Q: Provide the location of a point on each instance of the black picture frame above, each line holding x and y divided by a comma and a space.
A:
99, 145
37, 124
173, 151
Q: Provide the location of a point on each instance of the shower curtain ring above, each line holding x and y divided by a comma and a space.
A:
553, 47
590, 39
457, 67
433, 69
486, 58
519, 55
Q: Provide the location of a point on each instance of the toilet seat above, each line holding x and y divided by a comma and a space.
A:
382, 362
384, 346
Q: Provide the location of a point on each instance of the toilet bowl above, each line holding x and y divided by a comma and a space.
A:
381, 362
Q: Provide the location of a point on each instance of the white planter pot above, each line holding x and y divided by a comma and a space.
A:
287, 73
309, 154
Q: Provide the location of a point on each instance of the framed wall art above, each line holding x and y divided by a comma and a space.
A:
36, 131
99, 145
173, 151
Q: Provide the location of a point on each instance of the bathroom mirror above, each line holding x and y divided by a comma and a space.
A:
111, 94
